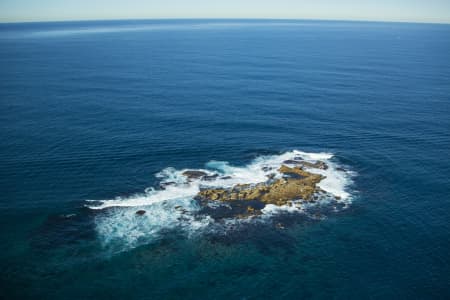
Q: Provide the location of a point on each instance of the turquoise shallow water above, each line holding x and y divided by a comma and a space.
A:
94, 110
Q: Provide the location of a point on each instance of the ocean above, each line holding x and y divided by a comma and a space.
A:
100, 119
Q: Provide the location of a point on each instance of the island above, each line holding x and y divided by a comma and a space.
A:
295, 184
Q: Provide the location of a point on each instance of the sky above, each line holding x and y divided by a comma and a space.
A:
428, 11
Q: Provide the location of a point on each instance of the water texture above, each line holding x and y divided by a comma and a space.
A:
95, 116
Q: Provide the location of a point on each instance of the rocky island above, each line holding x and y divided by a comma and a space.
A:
291, 182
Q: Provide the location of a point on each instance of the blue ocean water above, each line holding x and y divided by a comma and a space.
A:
94, 110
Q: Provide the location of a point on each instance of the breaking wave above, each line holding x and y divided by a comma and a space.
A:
172, 207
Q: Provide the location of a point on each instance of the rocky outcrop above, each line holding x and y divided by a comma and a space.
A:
296, 184
292, 162
210, 177
317, 165
140, 212
191, 174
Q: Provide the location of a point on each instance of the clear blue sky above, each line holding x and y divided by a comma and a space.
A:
379, 10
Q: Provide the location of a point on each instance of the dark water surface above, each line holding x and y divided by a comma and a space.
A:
93, 110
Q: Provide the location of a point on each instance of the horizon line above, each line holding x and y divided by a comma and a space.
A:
229, 18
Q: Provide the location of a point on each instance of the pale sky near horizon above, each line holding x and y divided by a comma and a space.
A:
433, 11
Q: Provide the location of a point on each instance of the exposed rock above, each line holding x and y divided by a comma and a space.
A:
292, 162
317, 165
140, 212
278, 192
210, 177
191, 174
241, 187
341, 169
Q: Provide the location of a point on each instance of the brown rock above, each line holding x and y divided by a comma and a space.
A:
279, 192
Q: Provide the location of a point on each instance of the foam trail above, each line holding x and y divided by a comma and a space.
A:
121, 229
171, 193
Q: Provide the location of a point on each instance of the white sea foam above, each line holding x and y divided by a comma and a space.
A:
121, 228
174, 206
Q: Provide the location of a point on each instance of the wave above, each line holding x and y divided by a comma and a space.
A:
172, 206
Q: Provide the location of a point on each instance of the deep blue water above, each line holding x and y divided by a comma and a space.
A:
93, 110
